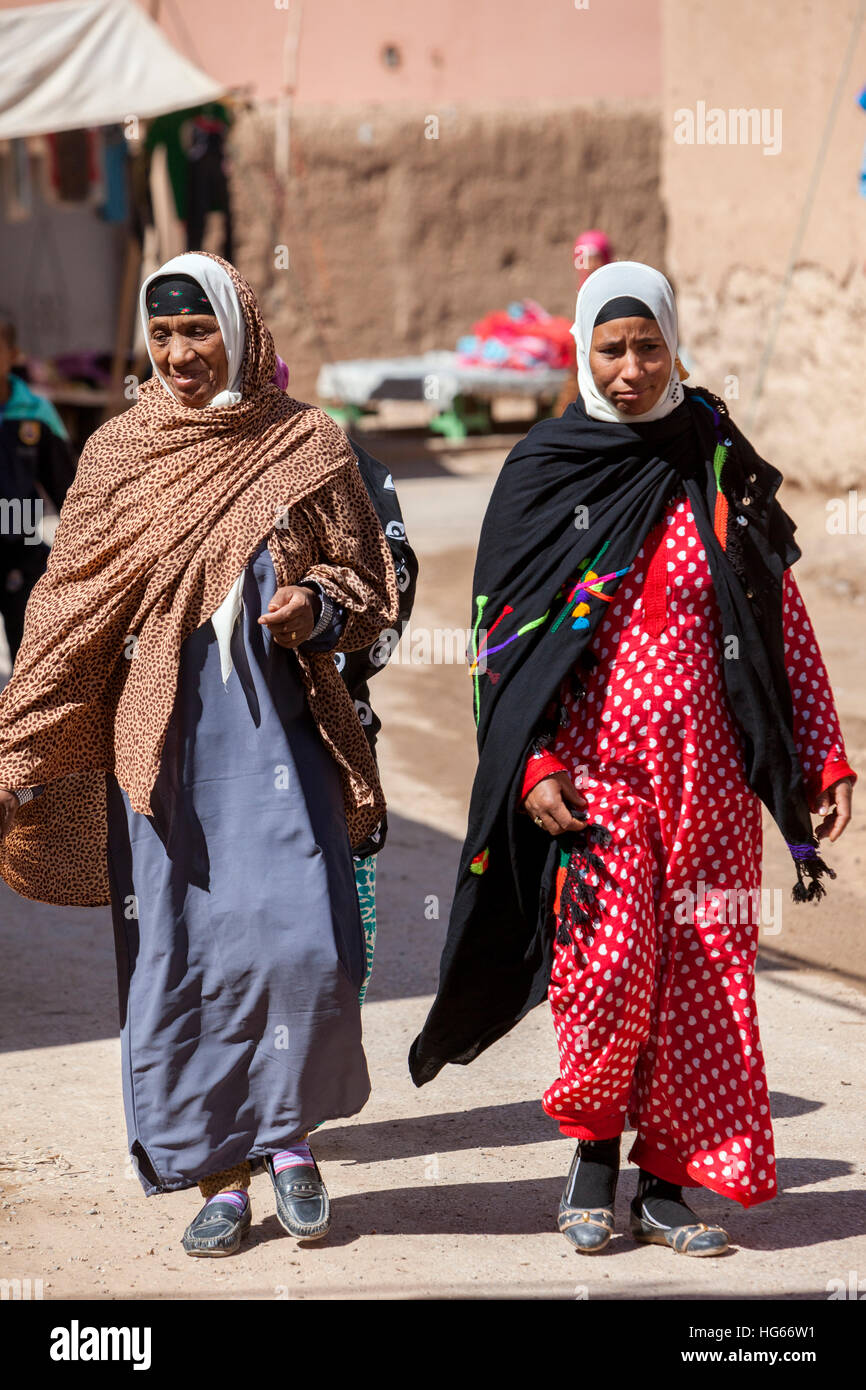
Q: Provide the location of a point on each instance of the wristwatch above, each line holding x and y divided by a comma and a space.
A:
25, 794
327, 609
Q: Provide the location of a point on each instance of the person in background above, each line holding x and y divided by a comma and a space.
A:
358, 668
36, 467
591, 249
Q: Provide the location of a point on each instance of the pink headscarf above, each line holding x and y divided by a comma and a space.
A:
595, 241
281, 375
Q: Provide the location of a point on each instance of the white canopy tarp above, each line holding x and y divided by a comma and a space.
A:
82, 63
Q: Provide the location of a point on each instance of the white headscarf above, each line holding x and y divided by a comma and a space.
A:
639, 282
219, 289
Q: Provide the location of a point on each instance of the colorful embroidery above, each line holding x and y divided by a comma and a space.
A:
720, 513
480, 862
562, 870
720, 456
477, 652
365, 882
590, 583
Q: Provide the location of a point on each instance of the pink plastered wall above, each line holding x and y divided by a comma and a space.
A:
487, 52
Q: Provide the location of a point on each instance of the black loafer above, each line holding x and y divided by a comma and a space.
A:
218, 1229
588, 1229
303, 1206
695, 1238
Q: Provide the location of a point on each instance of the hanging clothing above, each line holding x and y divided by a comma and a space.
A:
654, 1006
167, 130
207, 180
74, 169
181, 133
115, 173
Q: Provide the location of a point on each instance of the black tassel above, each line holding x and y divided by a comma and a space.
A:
578, 907
563, 934
812, 868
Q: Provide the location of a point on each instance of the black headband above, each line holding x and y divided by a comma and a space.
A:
176, 294
624, 307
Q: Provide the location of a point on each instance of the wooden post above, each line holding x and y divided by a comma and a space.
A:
126, 310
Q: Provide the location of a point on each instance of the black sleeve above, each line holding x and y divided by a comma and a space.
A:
357, 668
360, 667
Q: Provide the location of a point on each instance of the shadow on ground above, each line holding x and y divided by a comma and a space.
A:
59, 982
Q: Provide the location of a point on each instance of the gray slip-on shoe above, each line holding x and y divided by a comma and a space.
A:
218, 1229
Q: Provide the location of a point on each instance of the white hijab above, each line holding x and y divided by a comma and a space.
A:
610, 282
219, 289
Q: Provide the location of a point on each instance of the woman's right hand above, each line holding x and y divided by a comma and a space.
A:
8, 811
552, 801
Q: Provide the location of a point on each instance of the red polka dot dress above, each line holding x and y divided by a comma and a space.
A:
655, 1014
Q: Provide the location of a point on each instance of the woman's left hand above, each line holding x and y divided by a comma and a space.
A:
834, 805
289, 618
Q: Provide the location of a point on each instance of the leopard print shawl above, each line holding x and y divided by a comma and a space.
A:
168, 505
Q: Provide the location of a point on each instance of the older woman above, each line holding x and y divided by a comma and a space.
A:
176, 696
645, 677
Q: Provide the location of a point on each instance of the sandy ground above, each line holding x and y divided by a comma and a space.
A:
451, 1190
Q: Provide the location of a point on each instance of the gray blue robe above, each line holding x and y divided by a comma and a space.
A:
240, 949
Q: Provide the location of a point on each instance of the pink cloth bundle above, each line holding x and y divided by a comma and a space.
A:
281, 375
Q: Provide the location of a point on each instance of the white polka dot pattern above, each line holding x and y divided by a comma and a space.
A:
816, 724
658, 1021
